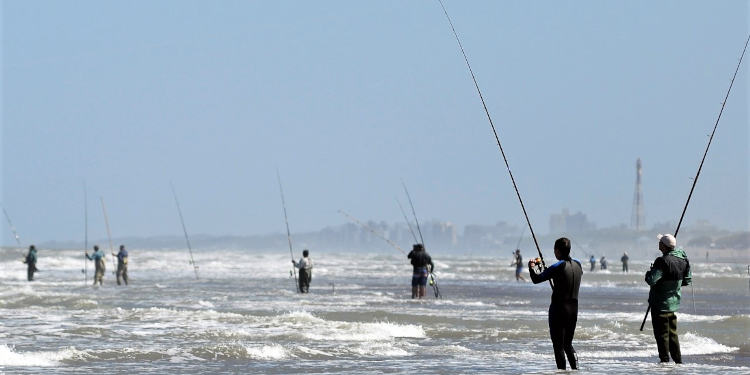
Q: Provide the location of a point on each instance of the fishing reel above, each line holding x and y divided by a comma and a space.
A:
536, 263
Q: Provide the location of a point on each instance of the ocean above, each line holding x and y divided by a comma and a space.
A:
244, 316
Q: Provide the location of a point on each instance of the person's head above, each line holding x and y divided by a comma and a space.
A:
518, 251
305, 253
418, 247
562, 248
96, 247
667, 243
122, 247
32, 247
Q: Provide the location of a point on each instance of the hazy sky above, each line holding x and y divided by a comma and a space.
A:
348, 97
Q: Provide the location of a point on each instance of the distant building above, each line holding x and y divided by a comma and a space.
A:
564, 222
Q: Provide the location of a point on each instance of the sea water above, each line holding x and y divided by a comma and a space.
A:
243, 315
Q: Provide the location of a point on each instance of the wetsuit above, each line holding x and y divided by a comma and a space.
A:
419, 261
563, 311
122, 266
624, 261
30, 264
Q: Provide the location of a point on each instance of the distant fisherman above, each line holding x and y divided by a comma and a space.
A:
98, 258
122, 265
305, 266
624, 261
31, 263
518, 262
420, 260
603, 263
668, 274
592, 260
563, 311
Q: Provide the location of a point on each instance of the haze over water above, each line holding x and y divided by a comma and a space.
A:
243, 316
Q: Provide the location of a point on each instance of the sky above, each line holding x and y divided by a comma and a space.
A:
347, 98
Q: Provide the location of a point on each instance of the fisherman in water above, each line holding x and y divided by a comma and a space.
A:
518, 262
305, 266
667, 276
420, 260
98, 258
563, 311
30, 263
122, 265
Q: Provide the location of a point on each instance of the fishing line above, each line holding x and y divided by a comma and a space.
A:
413, 212
373, 231
695, 180
497, 138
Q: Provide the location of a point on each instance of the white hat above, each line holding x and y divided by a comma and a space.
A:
668, 240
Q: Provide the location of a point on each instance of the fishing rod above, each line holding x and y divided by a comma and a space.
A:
520, 238
413, 212
12, 228
109, 236
408, 223
85, 233
288, 233
700, 167
373, 231
497, 138
184, 230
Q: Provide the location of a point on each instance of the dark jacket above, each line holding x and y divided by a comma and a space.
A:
420, 259
667, 276
566, 277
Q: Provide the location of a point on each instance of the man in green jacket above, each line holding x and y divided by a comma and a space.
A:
666, 277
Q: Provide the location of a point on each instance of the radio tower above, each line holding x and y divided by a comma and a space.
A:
637, 220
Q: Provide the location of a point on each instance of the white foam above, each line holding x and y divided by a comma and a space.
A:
9, 357
692, 344
273, 352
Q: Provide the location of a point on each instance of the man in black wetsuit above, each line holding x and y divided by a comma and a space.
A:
420, 260
563, 311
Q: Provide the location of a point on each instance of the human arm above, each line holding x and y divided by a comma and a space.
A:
547, 274
655, 273
688, 278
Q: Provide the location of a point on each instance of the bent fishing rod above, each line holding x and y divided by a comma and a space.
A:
497, 138
408, 223
373, 231
85, 233
12, 228
288, 233
109, 236
413, 212
700, 167
184, 230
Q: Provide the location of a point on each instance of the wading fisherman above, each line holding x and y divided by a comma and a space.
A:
592, 260
563, 310
122, 265
99, 263
305, 266
624, 261
518, 262
420, 260
668, 274
603, 263
30, 263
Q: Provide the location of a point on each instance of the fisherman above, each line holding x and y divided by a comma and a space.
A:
563, 310
624, 261
420, 260
122, 265
592, 260
30, 263
667, 276
100, 264
305, 266
603, 263
518, 262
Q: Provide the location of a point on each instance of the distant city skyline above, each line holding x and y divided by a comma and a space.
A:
346, 98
